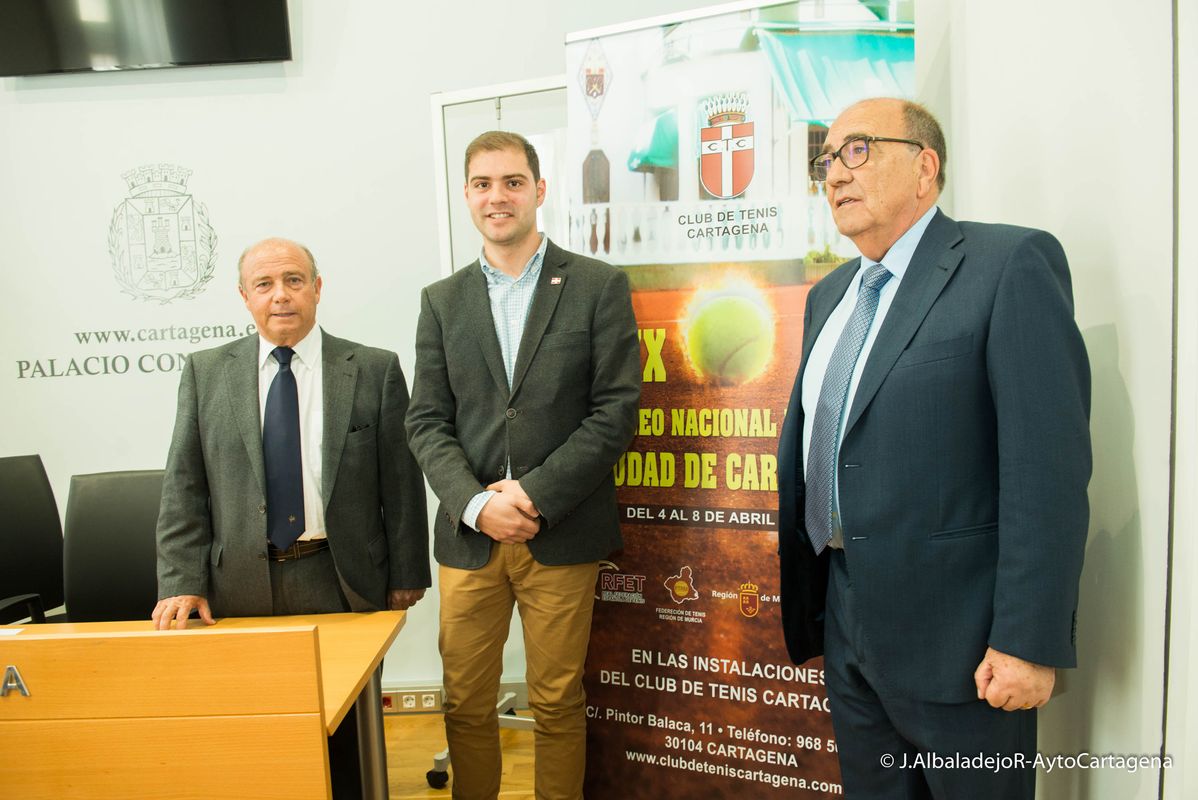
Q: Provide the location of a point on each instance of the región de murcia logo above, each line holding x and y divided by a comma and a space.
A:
161, 245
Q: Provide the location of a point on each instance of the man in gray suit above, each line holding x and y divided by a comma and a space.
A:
359, 536
932, 475
526, 393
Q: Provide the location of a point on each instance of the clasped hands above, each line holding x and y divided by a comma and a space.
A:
1012, 684
509, 516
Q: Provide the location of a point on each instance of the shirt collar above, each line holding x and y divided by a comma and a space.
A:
307, 350
898, 257
533, 265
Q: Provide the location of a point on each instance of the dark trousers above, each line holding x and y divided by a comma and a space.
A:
900, 748
311, 586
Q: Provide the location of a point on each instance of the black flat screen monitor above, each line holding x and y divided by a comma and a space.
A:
45, 36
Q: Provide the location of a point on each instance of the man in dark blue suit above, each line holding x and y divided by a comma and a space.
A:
932, 475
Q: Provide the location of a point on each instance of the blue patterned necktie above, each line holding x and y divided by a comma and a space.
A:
829, 410
281, 456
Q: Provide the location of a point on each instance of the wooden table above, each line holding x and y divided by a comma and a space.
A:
242, 708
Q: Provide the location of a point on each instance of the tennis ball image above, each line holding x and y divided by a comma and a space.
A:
730, 338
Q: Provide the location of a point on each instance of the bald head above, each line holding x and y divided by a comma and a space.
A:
917, 123
279, 246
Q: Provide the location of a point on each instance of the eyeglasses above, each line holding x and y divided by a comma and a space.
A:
852, 154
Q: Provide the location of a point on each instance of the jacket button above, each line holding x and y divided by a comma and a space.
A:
262, 556
501, 472
262, 510
511, 413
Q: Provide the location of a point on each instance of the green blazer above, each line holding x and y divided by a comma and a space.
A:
212, 520
569, 414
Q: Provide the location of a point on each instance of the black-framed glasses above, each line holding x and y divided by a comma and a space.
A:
852, 154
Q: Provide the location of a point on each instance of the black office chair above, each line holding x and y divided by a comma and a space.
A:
110, 562
30, 541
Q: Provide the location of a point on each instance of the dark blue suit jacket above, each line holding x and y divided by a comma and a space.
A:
964, 465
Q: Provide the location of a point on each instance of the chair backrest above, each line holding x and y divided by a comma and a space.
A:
110, 562
30, 532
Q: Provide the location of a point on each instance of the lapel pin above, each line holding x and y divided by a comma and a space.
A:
555, 280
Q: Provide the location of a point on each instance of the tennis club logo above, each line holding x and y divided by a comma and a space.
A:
160, 242
726, 146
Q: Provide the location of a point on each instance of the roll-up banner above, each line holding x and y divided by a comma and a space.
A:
688, 146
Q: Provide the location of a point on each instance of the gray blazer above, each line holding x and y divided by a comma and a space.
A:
963, 468
212, 520
570, 413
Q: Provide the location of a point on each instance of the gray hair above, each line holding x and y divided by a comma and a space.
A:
924, 128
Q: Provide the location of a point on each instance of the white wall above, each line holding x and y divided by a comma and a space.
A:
1059, 116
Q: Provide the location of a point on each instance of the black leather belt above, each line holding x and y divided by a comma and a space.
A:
297, 550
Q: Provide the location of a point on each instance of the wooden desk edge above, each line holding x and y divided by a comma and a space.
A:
334, 719
333, 716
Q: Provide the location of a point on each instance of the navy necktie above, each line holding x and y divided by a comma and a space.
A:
820, 506
281, 456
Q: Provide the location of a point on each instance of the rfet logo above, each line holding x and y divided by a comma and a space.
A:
726, 146
619, 587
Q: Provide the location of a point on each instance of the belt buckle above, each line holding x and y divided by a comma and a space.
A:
289, 553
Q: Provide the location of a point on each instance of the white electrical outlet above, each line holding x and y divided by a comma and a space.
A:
412, 700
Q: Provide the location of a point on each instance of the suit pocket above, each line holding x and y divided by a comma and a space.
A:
935, 351
357, 437
989, 529
553, 341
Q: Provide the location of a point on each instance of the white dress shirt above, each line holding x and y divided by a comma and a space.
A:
308, 368
896, 260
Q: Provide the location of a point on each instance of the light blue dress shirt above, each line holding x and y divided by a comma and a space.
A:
896, 260
511, 299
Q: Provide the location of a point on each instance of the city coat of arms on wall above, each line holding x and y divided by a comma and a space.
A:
160, 242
